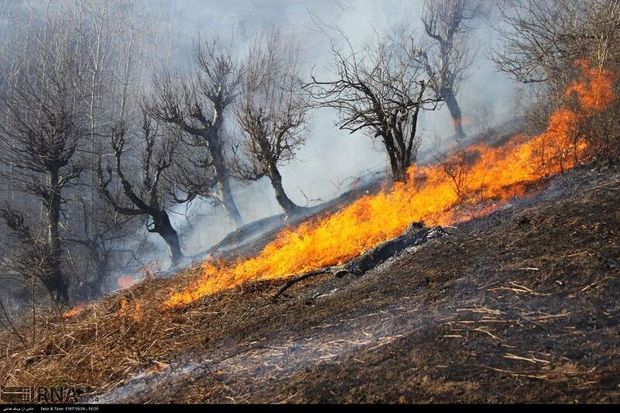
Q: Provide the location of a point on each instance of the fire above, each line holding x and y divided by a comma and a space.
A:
73, 311
125, 281
596, 93
130, 309
491, 178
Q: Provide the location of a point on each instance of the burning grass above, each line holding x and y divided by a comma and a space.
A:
494, 176
109, 342
100, 346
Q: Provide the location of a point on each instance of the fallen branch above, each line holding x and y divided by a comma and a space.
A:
299, 278
415, 234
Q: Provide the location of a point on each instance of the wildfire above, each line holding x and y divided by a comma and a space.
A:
73, 311
489, 178
146, 274
596, 93
130, 309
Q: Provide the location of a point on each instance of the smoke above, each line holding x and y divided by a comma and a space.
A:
331, 157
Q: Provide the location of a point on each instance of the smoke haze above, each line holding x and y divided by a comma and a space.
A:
330, 156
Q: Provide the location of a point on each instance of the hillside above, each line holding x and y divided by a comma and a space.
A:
309, 202
520, 305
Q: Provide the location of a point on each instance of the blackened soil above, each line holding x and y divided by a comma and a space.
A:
520, 306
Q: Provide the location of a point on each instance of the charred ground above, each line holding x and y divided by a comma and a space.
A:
518, 306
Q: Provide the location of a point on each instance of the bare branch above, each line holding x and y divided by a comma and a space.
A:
380, 90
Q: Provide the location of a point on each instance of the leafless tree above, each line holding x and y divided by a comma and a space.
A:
380, 90
114, 40
271, 111
143, 175
25, 264
196, 105
541, 40
31, 257
448, 23
99, 243
43, 124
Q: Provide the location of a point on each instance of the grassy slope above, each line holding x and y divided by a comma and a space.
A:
522, 305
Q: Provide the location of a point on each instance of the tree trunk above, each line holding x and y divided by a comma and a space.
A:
455, 113
396, 173
285, 202
399, 172
164, 228
100, 259
399, 163
56, 280
223, 186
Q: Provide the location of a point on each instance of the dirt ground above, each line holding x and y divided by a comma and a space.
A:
522, 305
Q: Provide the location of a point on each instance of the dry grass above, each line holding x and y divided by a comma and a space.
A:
109, 340
502, 292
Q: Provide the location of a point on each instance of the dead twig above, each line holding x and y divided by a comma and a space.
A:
518, 374
299, 278
11, 325
531, 359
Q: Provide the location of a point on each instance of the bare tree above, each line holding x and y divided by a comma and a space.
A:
31, 257
448, 23
197, 106
540, 39
95, 233
99, 241
43, 124
145, 188
381, 90
271, 111
545, 43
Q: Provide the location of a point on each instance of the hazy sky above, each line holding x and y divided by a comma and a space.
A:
330, 155
309, 22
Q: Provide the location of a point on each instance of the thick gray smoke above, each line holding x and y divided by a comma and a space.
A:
330, 157
325, 165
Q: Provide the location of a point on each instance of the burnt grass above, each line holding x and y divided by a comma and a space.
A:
522, 305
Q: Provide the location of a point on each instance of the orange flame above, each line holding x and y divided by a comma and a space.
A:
595, 93
130, 309
493, 177
73, 311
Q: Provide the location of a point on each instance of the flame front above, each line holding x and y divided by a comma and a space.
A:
131, 309
73, 311
490, 178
